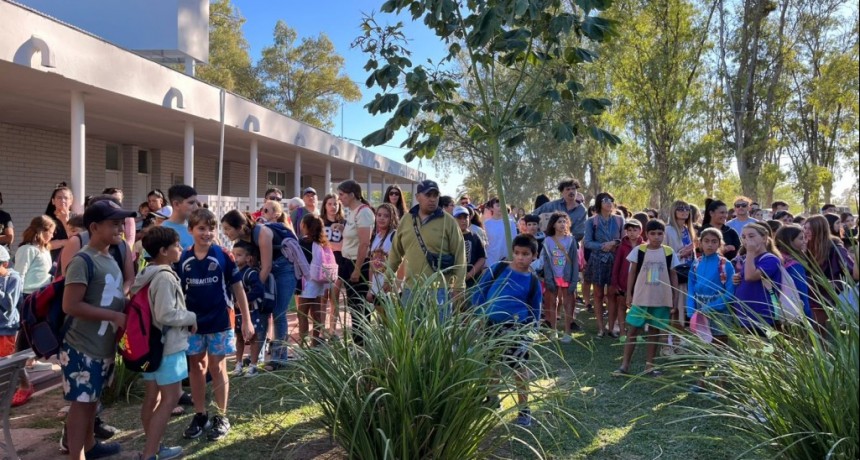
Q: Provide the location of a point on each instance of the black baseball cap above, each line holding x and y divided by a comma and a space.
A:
427, 185
101, 211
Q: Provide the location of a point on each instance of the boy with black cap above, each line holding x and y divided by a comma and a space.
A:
94, 301
476, 257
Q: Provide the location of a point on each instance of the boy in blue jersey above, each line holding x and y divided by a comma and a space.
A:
510, 297
183, 200
209, 277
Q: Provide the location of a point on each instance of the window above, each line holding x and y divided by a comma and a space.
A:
143, 162
277, 179
112, 158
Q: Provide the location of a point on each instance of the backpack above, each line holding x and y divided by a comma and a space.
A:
140, 343
42, 317
534, 285
323, 268
788, 305
266, 304
640, 258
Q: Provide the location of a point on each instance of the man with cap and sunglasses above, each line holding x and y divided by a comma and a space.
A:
430, 240
569, 203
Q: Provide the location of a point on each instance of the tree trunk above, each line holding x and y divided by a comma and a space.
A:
500, 190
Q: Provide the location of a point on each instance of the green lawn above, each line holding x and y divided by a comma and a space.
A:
617, 418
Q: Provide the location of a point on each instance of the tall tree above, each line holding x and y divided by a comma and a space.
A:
528, 39
305, 80
750, 71
655, 68
229, 63
822, 122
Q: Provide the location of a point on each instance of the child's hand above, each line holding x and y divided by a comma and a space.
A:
629, 301
193, 328
247, 331
119, 320
728, 248
736, 279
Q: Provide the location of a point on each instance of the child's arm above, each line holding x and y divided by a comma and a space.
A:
616, 269
692, 279
535, 302
242, 303
673, 279
74, 305
127, 269
631, 281
164, 302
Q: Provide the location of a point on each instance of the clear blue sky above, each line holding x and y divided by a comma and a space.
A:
340, 20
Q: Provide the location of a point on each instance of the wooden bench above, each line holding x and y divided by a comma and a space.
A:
10, 368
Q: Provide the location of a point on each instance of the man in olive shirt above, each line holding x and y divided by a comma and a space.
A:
441, 236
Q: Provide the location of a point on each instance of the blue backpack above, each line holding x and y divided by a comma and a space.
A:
266, 303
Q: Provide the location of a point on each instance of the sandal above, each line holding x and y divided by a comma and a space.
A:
177, 411
620, 372
22, 396
185, 399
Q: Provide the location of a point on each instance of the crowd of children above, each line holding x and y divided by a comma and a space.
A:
210, 302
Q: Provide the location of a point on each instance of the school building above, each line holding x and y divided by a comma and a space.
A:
78, 108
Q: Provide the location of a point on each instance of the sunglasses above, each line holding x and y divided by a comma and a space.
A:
683, 208
607, 200
393, 193
741, 205
274, 198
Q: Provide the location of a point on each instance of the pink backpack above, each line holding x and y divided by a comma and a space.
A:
323, 265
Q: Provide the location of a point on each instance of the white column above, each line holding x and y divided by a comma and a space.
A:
190, 64
297, 175
79, 151
412, 203
352, 173
383, 187
188, 170
252, 177
369, 183
327, 177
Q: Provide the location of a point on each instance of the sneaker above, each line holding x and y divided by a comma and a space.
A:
102, 450
199, 424
524, 419
237, 370
220, 428
666, 351
102, 430
492, 402
566, 339
252, 372
167, 453
575, 327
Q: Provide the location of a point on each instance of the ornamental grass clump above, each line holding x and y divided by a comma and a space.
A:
793, 390
421, 387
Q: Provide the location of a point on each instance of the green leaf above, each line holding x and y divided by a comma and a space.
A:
485, 30
575, 55
562, 131
594, 106
574, 86
561, 24
603, 136
407, 110
515, 140
588, 5
382, 103
388, 7
371, 64
598, 29
520, 8
378, 137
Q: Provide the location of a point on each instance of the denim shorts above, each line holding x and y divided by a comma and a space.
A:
84, 378
216, 344
173, 368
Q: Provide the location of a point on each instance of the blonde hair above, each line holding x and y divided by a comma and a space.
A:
33, 233
673, 222
764, 231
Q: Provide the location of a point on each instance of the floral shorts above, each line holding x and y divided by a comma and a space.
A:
84, 378
215, 344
